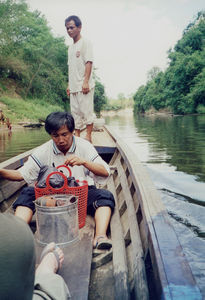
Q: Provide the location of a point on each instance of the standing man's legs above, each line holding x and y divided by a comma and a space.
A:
77, 132
88, 103
75, 111
82, 111
89, 128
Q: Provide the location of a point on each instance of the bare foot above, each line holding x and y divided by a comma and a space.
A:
77, 132
51, 262
88, 138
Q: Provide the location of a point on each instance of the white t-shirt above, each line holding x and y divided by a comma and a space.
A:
48, 153
79, 54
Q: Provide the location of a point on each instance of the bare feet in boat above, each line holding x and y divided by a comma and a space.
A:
51, 259
89, 128
88, 138
77, 132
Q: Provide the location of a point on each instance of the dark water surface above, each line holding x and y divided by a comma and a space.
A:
173, 151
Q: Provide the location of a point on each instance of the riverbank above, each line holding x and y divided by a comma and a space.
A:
130, 110
26, 111
120, 112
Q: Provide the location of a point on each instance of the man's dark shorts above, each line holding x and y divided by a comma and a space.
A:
96, 198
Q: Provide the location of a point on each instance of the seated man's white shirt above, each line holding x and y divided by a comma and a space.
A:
48, 154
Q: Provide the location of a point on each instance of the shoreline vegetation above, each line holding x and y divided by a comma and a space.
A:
27, 113
18, 122
180, 87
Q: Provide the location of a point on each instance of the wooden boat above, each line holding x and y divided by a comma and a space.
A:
146, 260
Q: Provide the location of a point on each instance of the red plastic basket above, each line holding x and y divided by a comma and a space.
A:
80, 191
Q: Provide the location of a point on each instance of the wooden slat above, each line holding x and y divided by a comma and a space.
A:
120, 271
77, 262
140, 281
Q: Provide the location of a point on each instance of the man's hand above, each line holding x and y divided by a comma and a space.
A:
74, 160
85, 87
68, 91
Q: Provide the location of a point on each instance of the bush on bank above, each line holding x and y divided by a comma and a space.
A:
18, 110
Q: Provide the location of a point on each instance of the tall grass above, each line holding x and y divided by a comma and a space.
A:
27, 110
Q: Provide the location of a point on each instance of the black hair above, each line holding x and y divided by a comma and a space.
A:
76, 20
56, 120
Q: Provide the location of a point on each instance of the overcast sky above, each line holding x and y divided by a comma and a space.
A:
129, 36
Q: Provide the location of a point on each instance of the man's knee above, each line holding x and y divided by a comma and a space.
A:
26, 199
98, 198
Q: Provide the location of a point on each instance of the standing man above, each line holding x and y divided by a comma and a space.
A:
81, 83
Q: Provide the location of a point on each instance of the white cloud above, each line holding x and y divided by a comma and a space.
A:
129, 37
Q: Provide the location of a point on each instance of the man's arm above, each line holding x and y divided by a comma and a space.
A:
88, 69
95, 168
13, 175
68, 88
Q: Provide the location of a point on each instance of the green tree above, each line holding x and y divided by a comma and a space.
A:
181, 86
30, 55
152, 74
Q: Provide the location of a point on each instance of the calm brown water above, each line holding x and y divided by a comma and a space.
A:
19, 141
173, 151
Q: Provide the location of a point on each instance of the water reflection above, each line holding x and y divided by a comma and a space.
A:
19, 141
5, 137
181, 137
177, 141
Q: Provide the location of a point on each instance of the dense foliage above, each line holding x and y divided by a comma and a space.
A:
181, 87
32, 58
30, 54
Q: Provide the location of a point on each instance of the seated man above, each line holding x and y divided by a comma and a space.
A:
84, 162
18, 277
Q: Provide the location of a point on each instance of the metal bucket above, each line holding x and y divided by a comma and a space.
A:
57, 224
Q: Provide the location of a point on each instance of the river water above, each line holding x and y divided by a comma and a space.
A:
173, 151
